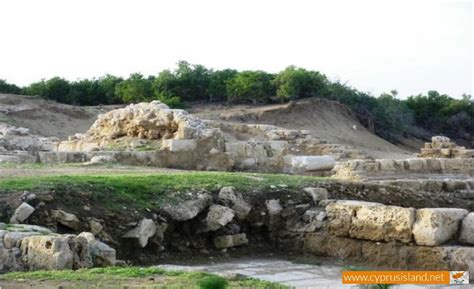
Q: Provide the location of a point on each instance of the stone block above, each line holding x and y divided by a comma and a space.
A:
435, 226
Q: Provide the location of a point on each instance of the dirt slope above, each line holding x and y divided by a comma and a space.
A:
47, 118
328, 120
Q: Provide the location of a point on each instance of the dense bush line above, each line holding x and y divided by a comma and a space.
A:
386, 115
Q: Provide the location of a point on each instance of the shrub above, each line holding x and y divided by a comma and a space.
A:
6, 87
212, 282
293, 83
250, 86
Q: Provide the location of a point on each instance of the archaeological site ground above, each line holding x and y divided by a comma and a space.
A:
252, 196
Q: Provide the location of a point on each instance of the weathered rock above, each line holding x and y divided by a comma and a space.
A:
434, 226
228, 241
144, 231
187, 210
314, 219
154, 120
22, 213
370, 221
229, 197
340, 216
467, 229
54, 252
13, 239
66, 219
383, 223
101, 253
96, 227
311, 163
317, 194
180, 145
217, 217
97, 160
274, 213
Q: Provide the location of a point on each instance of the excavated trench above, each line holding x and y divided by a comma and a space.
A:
278, 222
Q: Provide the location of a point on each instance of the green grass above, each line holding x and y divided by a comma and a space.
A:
115, 274
141, 191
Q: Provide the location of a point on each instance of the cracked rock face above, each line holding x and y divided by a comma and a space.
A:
188, 209
144, 231
217, 217
434, 226
153, 121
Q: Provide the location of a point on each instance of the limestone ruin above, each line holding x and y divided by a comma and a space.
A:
443, 147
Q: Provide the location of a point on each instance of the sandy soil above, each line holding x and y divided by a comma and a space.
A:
327, 120
48, 118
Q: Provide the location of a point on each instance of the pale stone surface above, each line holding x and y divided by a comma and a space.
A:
144, 231
96, 227
311, 163
153, 120
13, 239
274, 213
101, 253
340, 215
54, 252
383, 223
96, 160
229, 197
370, 221
217, 217
435, 226
180, 145
187, 210
22, 213
66, 219
228, 241
467, 229
317, 194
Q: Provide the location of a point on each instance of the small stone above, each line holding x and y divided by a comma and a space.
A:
86, 208
96, 227
229, 241
144, 231
66, 219
22, 213
217, 217
274, 213
317, 194
234, 200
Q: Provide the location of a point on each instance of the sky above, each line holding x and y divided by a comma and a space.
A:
374, 46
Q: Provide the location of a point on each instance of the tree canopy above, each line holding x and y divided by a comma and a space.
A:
386, 115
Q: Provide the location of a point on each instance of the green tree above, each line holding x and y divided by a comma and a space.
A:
251, 86
6, 87
392, 117
294, 83
107, 85
55, 88
217, 90
136, 88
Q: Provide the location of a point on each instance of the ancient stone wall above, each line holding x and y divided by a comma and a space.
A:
443, 147
373, 169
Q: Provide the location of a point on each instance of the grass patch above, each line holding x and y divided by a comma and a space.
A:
141, 191
117, 275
